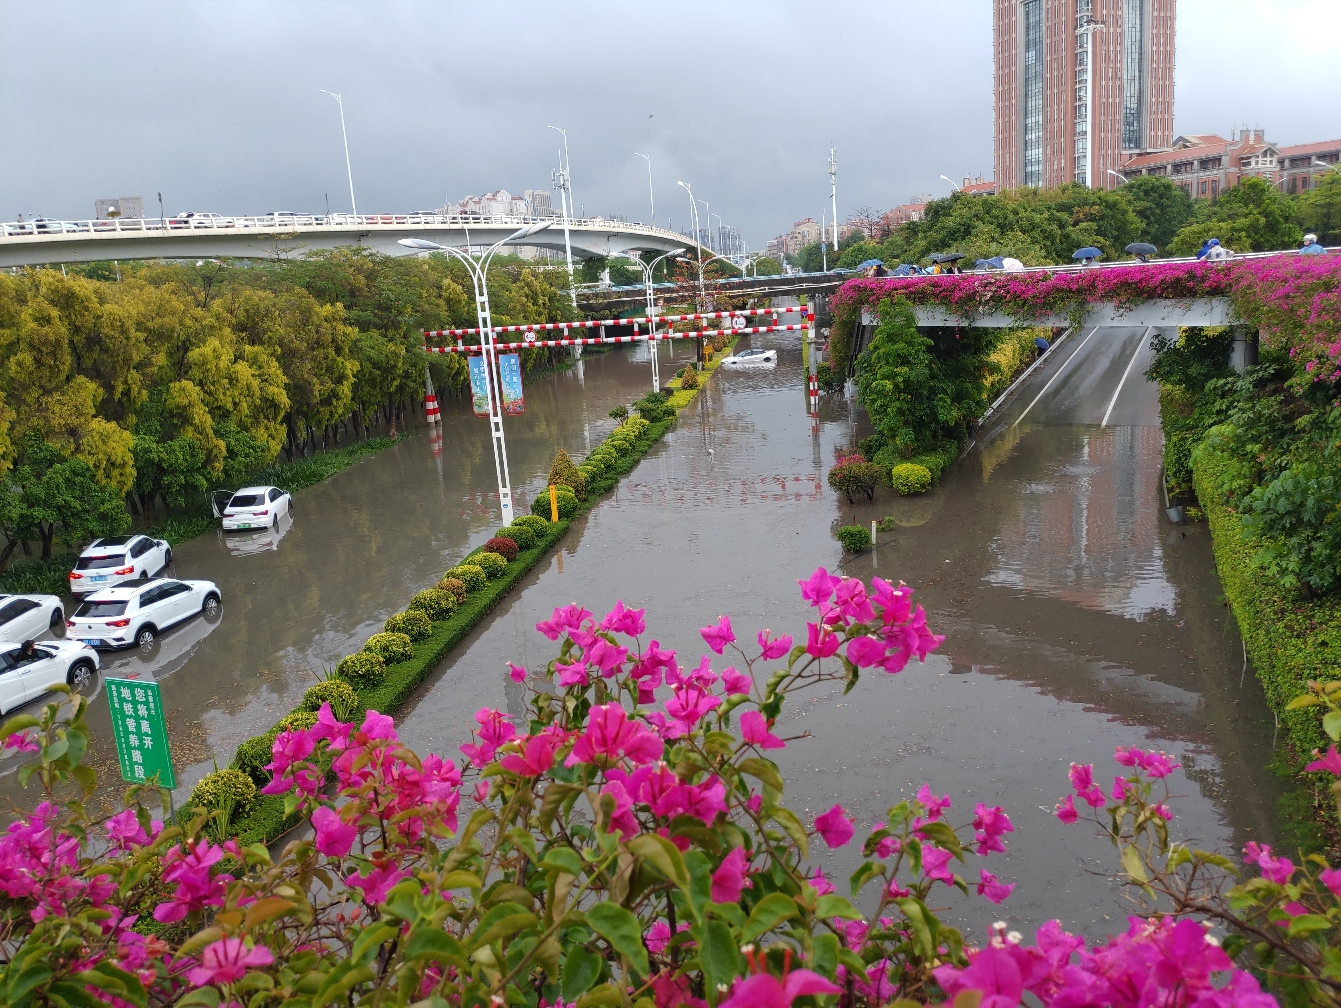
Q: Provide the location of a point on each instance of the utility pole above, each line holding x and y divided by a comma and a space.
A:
833, 195
354, 207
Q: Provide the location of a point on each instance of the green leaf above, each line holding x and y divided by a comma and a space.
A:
1133, 865
1304, 700
622, 930
32, 975
563, 859
834, 905
719, 958
604, 996
555, 795
864, 874
662, 855
853, 962
366, 945
461, 879
1331, 724
826, 953
18, 723
921, 920
428, 942
700, 881
942, 836
126, 986
729, 912
1307, 924
580, 971
763, 770
201, 997
768, 913
403, 898
791, 825
502, 921
63, 993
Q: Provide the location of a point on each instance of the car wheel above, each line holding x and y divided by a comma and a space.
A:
81, 675
167, 557
274, 522
145, 636
144, 574
57, 617
210, 607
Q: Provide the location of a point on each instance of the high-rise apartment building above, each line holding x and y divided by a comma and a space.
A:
1080, 86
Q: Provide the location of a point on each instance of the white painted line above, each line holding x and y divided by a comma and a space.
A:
1113, 402
1055, 376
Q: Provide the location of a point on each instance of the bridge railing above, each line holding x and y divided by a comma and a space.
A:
294, 222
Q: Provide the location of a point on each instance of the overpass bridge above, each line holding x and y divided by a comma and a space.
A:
280, 236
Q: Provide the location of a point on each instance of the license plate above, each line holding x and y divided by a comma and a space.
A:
244, 524
90, 641
98, 577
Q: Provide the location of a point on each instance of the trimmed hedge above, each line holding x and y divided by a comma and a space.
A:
390, 647
492, 564
854, 538
431, 604
522, 535
564, 497
504, 547
453, 587
362, 669
535, 523
910, 478
471, 575
224, 785
339, 694
413, 623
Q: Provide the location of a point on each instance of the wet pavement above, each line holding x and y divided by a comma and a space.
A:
1077, 618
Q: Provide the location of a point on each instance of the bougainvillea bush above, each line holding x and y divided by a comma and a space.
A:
626, 843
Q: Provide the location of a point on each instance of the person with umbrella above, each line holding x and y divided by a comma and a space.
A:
1040, 347
1087, 255
946, 262
1311, 246
1142, 250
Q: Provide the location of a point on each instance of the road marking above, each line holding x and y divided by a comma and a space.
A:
1113, 402
1055, 376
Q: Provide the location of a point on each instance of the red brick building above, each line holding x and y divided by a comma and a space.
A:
1207, 164
1043, 54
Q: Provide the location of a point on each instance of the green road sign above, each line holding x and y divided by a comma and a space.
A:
140, 730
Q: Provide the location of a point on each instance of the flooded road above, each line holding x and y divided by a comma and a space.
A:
1077, 618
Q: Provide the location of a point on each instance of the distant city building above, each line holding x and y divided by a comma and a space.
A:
500, 203
978, 187
1043, 87
905, 213
729, 242
537, 201
1206, 164
129, 207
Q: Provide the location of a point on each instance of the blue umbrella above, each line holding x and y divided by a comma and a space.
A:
869, 262
1088, 252
996, 262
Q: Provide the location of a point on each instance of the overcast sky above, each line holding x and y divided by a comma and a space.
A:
217, 105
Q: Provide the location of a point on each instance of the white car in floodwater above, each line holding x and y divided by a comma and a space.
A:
27, 677
114, 560
136, 614
751, 358
255, 507
28, 617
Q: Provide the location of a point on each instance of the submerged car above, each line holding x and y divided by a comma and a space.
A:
117, 559
138, 613
751, 357
255, 507
26, 677
27, 617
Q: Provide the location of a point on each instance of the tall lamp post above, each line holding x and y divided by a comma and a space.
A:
565, 183
1117, 175
833, 195
354, 207
693, 216
651, 195
952, 185
648, 269
478, 270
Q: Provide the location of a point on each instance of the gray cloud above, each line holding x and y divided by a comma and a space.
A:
218, 106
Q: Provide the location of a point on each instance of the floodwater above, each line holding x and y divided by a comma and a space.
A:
1077, 618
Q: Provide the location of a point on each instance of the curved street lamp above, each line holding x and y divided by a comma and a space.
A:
647, 269
354, 207
478, 270
693, 215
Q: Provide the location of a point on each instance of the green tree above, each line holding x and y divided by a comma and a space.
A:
1259, 217
171, 471
1162, 206
61, 496
1319, 209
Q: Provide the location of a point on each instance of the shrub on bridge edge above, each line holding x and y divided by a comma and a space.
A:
536, 523
910, 478
226, 788
564, 473
505, 547
415, 624
339, 694
453, 587
567, 501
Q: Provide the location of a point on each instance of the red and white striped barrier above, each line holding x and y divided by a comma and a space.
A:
431, 408
588, 341
641, 320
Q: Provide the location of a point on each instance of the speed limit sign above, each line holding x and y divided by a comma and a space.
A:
738, 322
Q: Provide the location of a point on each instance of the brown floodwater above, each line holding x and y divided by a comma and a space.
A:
1077, 618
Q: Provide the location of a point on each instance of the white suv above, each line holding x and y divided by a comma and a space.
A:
136, 614
28, 675
117, 559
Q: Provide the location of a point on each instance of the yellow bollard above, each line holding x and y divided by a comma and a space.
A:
553, 503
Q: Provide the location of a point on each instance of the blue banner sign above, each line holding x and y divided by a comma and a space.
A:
509, 369
479, 390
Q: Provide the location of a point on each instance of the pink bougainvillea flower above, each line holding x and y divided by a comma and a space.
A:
622, 820
516, 673
886, 846
992, 889
895, 603
821, 882
1082, 776
227, 961
821, 642
993, 971
754, 730
1066, 810
736, 682
834, 826
1331, 762
1163, 811
335, 837
719, 636
572, 673
729, 878
935, 864
1276, 870
124, 830
850, 601
189, 868
990, 825
934, 806
818, 589
378, 882
565, 619
330, 728
864, 652
1331, 878
1119, 789
775, 647
608, 658
628, 622
611, 736
763, 990
702, 675
536, 757
755, 803
688, 706
23, 742
651, 665
380, 726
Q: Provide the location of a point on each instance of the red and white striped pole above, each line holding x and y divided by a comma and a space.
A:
430, 401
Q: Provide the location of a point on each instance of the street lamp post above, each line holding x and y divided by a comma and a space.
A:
648, 269
354, 207
1117, 175
833, 195
478, 276
693, 216
952, 185
651, 195
565, 182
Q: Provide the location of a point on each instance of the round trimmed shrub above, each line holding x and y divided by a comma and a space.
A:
254, 755
567, 503
536, 523
689, 379
492, 564
934, 464
910, 478
504, 547
636, 425
453, 587
854, 538
432, 604
339, 694
299, 720
564, 473
471, 575
390, 647
226, 786
595, 463
415, 624
362, 669
523, 535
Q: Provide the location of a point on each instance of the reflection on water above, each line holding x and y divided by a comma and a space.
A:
1088, 530
261, 540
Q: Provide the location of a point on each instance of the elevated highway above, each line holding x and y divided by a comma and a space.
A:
280, 236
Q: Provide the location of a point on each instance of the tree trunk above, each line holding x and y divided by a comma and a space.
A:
27, 549
48, 533
10, 546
